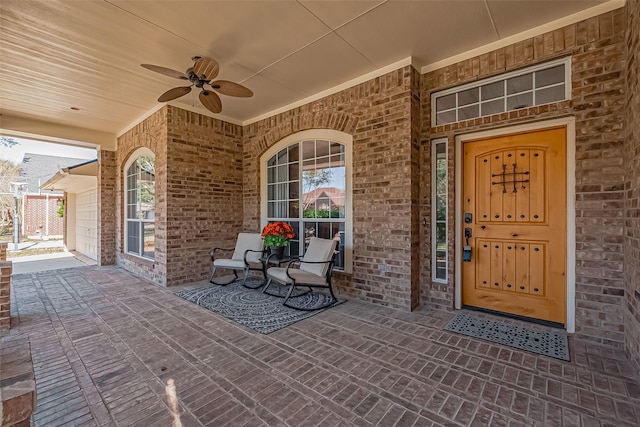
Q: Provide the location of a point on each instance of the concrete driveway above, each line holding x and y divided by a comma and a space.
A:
56, 261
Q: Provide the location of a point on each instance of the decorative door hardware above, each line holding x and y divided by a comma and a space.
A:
514, 178
466, 250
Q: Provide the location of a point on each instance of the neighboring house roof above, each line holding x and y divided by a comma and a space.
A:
38, 168
74, 179
336, 195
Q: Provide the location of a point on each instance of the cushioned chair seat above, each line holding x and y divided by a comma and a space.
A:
246, 256
279, 274
314, 271
235, 264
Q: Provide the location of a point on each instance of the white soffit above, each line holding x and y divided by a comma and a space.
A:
544, 28
63, 54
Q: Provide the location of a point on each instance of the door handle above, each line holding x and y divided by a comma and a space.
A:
466, 253
466, 250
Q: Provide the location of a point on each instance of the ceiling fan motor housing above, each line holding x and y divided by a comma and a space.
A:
195, 79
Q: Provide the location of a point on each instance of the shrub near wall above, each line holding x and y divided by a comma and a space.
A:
597, 49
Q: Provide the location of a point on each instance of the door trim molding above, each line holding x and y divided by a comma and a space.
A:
569, 123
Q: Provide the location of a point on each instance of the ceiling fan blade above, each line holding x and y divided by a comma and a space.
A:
174, 93
166, 71
211, 101
206, 66
226, 87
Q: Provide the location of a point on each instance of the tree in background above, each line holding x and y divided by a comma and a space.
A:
9, 172
5, 141
312, 180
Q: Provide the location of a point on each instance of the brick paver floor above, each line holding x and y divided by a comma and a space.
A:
110, 349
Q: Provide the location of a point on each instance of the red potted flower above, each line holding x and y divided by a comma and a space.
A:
277, 235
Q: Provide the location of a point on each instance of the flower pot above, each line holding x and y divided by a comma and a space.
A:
277, 251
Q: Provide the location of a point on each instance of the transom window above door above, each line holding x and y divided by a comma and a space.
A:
306, 186
541, 84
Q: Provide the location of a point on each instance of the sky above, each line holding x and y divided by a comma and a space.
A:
16, 153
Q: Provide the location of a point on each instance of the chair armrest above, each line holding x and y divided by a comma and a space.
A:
213, 252
251, 250
299, 260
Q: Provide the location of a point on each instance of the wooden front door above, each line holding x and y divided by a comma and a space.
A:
514, 204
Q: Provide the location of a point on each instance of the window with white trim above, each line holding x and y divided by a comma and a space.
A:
541, 84
139, 201
307, 186
439, 251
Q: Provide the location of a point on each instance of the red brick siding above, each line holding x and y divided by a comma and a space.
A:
416, 167
6, 268
598, 63
151, 133
107, 214
204, 192
198, 192
378, 114
632, 238
38, 209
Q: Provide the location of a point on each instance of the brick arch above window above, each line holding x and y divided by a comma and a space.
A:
340, 122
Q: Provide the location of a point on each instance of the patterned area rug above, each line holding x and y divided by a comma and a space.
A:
254, 309
552, 344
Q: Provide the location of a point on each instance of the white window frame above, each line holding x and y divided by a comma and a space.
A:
327, 134
143, 151
434, 242
566, 61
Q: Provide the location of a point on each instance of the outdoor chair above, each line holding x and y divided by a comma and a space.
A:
246, 256
312, 271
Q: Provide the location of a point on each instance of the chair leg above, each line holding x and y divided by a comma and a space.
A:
266, 286
235, 274
286, 298
244, 281
328, 304
332, 294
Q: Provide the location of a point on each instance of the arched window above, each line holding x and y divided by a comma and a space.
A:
307, 183
139, 202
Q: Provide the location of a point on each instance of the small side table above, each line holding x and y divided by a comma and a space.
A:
269, 260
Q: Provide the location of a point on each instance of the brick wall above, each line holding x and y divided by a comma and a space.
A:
632, 239
204, 192
597, 46
416, 167
379, 115
198, 163
41, 215
107, 214
151, 133
6, 268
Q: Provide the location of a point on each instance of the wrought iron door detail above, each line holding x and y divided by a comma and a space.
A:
511, 178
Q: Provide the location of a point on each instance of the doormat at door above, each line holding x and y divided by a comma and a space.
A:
552, 344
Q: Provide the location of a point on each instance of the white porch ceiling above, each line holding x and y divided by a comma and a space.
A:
87, 54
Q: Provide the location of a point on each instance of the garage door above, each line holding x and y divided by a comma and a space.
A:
87, 223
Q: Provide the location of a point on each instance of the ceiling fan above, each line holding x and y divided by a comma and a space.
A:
202, 73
